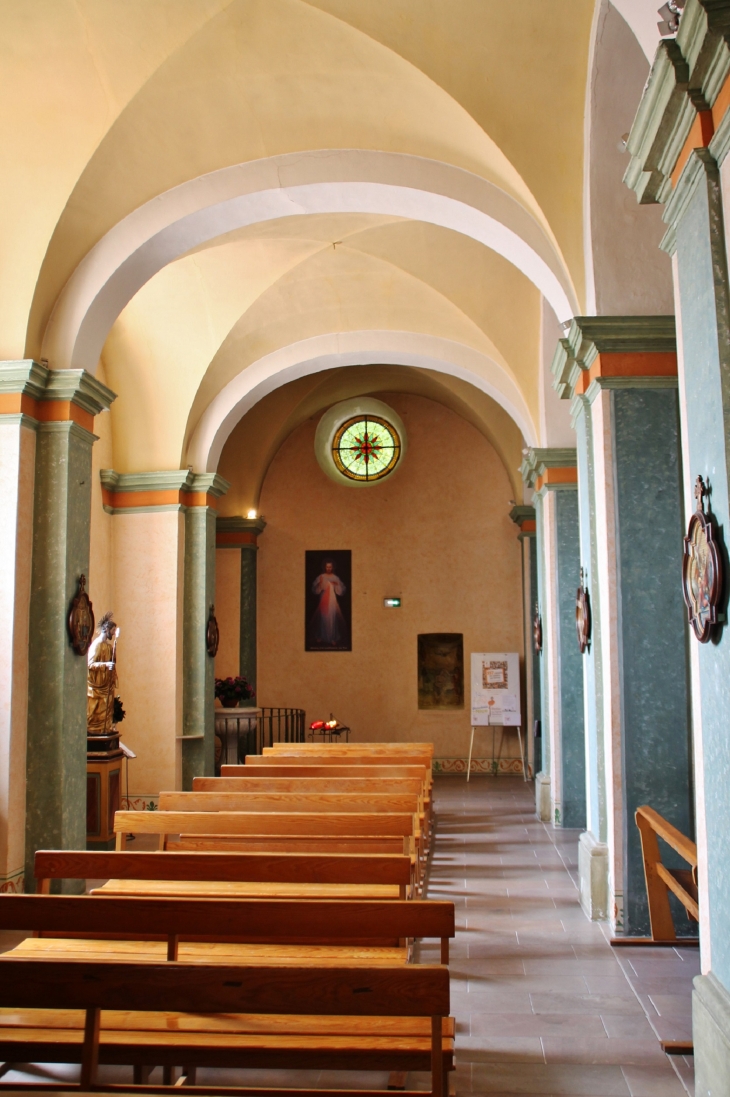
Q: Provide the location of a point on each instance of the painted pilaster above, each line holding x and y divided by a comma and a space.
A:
233, 532
552, 475
64, 405
524, 518
689, 163
17, 473
621, 375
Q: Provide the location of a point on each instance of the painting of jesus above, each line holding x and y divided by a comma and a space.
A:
328, 600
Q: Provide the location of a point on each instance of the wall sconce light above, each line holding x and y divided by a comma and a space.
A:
251, 514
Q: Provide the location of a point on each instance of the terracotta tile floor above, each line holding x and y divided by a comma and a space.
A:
542, 1004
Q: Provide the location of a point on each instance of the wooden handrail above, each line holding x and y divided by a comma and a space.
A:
659, 879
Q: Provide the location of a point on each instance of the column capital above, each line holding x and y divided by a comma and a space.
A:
524, 517
685, 101
549, 469
622, 348
170, 489
238, 532
41, 395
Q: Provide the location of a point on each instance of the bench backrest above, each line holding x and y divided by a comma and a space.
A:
342, 802
303, 758
385, 748
339, 769
417, 990
313, 824
406, 786
305, 868
243, 919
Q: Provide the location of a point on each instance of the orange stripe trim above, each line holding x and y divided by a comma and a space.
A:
719, 107
198, 499
231, 538
124, 500
698, 137
45, 411
529, 526
637, 364
568, 475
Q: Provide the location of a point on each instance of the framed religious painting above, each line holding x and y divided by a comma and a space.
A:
212, 634
582, 616
328, 600
537, 631
440, 670
702, 569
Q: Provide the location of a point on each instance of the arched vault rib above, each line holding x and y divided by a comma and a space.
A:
322, 182
348, 349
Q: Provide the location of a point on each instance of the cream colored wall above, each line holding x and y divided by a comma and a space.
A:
101, 556
437, 533
228, 610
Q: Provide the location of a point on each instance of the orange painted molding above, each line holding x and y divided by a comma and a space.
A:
45, 411
721, 104
198, 499
125, 500
630, 364
699, 137
567, 475
529, 526
231, 538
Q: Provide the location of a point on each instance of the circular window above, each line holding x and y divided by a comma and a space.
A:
366, 448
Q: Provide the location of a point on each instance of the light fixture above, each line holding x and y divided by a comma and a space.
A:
392, 603
251, 514
670, 13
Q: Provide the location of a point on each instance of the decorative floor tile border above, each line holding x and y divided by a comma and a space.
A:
146, 802
483, 767
13, 884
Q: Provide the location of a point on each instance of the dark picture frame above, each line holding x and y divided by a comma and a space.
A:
440, 670
328, 600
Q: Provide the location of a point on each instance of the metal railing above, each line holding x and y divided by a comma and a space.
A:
248, 731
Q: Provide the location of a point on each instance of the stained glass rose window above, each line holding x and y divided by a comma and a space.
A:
366, 448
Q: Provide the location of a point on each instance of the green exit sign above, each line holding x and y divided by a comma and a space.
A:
391, 603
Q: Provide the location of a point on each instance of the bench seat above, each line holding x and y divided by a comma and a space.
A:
225, 889
206, 952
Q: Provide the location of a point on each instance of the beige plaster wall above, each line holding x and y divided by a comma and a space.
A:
437, 533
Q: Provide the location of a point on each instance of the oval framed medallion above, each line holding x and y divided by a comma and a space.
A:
701, 569
212, 634
81, 621
582, 616
537, 631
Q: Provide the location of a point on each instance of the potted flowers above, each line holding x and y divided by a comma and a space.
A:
232, 692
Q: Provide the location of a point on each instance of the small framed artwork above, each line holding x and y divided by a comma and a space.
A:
440, 670
328, 600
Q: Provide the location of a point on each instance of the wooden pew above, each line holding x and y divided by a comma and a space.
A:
225, 874
262, 780
660, 880
198, 930
199, 1002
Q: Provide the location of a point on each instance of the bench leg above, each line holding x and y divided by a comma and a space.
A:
187, 1078
437, 1058
397, 1079
141, 1074
168, 1076
90, 1054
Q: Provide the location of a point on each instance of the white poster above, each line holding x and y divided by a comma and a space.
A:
495, 689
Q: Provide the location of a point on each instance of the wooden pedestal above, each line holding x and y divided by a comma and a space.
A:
103, 791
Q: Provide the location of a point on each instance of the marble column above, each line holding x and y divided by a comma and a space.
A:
198, 723
236, 532
524, 518
621, 374
62, 404
679, 144
552, 475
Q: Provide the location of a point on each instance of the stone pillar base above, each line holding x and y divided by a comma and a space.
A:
711, 1035
542, 797
593, 873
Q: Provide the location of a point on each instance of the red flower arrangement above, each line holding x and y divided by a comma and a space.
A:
231, 691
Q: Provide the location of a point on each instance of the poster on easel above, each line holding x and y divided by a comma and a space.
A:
495, 689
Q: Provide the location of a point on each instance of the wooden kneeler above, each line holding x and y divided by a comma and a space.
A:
344, 992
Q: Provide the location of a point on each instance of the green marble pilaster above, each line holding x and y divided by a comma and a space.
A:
524, 518
56, 740
248, 531
198, 720
558, 567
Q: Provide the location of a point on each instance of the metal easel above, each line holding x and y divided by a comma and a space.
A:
494, 732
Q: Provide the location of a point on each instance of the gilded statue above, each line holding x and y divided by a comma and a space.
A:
102, 677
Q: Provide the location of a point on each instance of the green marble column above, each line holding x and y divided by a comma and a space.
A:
621, 373
524, 518
245, 532
198, 721
551, 473
56, 742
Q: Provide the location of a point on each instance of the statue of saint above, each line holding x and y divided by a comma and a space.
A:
102, 677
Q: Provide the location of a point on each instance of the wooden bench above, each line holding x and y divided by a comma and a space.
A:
226, 874
660, 880
358, 1018
226, 930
